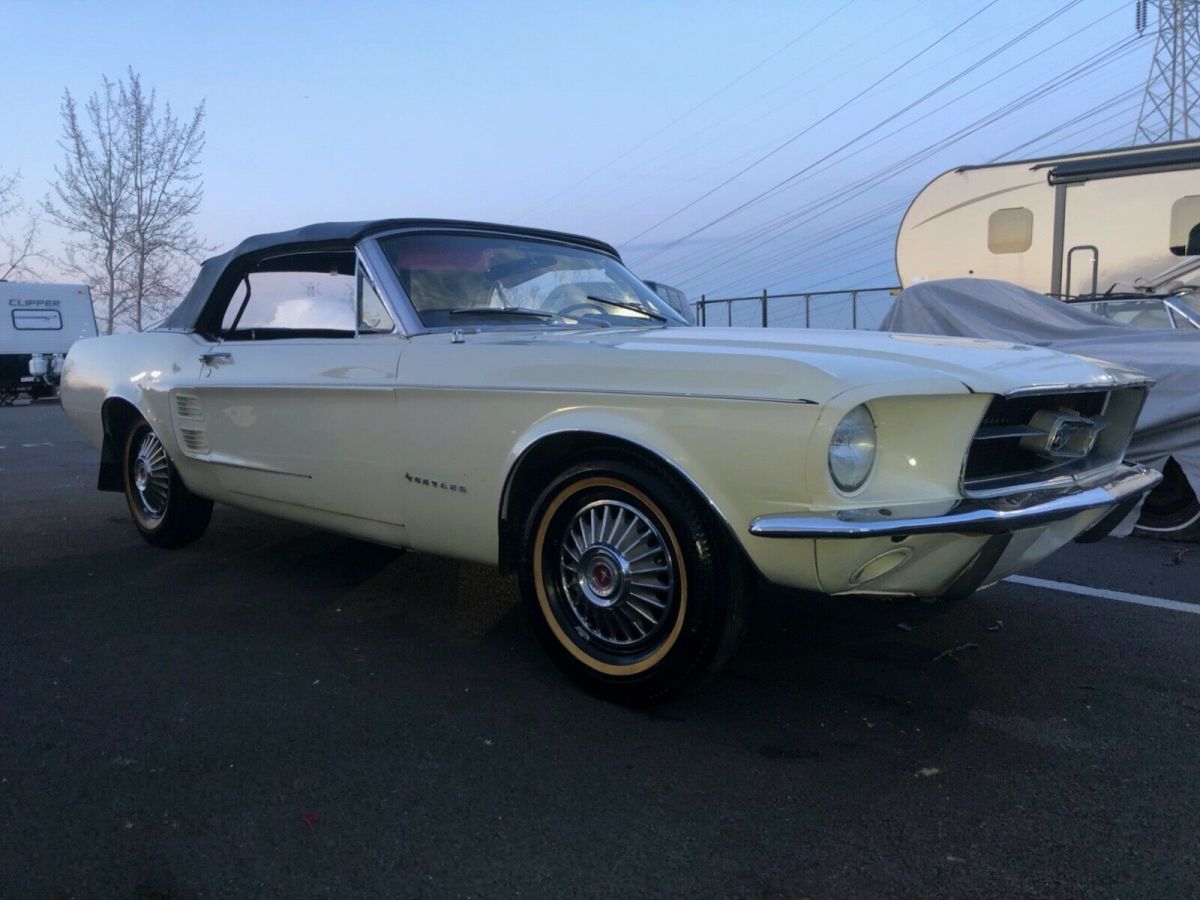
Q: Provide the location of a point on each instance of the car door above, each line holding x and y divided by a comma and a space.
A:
297, 398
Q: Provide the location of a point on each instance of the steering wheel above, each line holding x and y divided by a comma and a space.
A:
593, 307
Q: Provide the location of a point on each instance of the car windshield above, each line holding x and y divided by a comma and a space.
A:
1149, 313
456, 280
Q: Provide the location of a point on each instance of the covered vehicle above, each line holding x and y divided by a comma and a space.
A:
676, 298
517, 397
1168, 432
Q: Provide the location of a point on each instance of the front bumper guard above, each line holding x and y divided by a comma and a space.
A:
994, 516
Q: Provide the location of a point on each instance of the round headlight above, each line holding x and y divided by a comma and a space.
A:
852, 450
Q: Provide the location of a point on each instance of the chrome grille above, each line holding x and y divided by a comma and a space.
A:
997, 458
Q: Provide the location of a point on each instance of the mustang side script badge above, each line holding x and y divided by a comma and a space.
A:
1062, 436
433, 482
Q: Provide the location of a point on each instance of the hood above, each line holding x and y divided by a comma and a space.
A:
793, 364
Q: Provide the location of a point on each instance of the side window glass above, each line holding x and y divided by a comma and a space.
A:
1185, 226
1010, 230
373, 317
292, 301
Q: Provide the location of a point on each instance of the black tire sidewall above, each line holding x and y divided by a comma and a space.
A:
1177, 521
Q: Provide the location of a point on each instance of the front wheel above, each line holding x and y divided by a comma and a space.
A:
165, 512
630, 584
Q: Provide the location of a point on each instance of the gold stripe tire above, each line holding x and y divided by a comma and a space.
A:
656, 638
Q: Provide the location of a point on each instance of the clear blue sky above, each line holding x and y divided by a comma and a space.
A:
325, 110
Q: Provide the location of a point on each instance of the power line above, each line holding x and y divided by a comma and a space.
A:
889, 208
1095, 63
763, 229
1067, 124
689, 111
792, 178
789, 262
888, 232
795, 137
694, 147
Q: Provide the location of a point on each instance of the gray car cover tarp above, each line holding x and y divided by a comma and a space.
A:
977, 307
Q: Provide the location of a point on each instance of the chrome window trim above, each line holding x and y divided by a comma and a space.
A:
371, 255
488, 232
1176, 310
364, 268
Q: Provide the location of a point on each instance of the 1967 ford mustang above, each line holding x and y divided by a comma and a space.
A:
517, 397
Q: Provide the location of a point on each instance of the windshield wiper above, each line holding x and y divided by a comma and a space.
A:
632, 307
504, 311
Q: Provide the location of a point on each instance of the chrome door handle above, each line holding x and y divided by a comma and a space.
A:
212, 358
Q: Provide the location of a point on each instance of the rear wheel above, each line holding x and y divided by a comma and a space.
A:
165, 512
1171, 511
629, 582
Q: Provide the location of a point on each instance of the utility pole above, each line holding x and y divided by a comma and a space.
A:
1171, 102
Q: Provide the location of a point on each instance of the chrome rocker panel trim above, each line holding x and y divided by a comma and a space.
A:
996, 516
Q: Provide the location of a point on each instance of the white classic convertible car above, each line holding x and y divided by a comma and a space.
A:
517, 397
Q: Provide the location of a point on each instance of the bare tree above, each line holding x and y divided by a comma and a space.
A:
127, 190
165, 193
93, 190
17, 250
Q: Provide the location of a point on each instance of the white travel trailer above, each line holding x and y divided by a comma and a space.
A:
1065, 225
38, 325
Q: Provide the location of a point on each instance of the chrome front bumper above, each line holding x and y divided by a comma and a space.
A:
994, 516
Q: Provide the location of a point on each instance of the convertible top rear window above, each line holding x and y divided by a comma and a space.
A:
484, 280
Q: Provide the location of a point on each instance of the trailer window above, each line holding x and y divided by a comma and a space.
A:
1010, 230
37, 320
1185, 226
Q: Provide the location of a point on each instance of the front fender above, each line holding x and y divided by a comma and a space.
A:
737, 455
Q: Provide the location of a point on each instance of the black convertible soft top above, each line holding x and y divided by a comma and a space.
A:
226, 269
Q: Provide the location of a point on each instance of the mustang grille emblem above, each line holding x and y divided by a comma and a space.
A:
1060, 436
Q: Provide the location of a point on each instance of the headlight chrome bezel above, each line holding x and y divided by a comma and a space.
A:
853, 447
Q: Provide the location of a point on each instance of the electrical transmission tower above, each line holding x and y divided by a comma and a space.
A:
1171, 103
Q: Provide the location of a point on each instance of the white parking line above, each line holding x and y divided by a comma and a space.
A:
1105, 594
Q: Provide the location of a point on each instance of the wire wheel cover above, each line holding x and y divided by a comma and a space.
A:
150, 478
617, 575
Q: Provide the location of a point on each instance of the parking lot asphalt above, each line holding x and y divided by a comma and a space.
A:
277, 711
